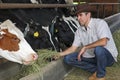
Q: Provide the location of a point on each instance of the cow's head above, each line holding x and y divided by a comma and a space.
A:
13, 46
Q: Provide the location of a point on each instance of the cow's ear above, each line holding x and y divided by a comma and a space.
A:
5, 30
1, 34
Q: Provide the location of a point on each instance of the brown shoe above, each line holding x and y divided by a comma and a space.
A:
93, 77
100, 78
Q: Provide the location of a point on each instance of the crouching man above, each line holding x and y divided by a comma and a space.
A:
98, 48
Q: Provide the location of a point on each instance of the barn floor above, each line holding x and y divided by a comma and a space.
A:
113, 73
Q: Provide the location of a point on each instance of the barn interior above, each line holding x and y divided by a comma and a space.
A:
50, 25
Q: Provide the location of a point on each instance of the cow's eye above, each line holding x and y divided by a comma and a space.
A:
16, 39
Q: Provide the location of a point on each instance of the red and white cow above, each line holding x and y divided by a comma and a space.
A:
13, 46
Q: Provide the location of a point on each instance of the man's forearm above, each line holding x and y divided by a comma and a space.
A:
101, 42
68, 51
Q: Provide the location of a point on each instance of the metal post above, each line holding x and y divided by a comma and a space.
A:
97, 6
112, 9
103, 11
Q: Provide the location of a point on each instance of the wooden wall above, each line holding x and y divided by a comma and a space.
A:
102, 1
107, 10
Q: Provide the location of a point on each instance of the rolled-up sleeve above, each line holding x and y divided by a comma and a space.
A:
103, 30
77, 40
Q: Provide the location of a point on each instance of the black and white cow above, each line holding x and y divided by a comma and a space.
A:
38, 24
30, 21
65, 28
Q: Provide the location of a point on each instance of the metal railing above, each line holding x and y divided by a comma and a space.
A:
29, 5
100, 7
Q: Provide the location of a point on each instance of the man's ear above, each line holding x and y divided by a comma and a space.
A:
89, 13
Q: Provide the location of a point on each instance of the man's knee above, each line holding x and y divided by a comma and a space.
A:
99, 51
66, 59
71, 58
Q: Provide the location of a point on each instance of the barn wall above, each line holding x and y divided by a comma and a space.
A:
103, 1
109, 9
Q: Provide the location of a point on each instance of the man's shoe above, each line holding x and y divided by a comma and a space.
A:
93, 77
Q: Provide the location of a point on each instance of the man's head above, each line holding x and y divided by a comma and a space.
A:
84, 14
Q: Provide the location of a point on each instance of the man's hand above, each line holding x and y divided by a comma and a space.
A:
82, 51
56, 56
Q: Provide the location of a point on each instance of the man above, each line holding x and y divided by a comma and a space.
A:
98, 49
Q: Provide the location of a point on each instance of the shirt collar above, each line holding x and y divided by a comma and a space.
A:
89, 25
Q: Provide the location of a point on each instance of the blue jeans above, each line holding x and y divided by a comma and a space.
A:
102, 59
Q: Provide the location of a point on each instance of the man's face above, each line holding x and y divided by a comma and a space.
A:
83, 18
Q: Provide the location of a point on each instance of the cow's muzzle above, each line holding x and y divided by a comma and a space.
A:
32, 59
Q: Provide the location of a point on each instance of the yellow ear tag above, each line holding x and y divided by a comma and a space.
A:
56, 30
36, 34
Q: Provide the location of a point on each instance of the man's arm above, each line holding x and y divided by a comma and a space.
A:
68, 51
100, 42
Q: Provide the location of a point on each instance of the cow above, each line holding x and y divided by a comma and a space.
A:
40, 38
13, 46
39, 21
65, 28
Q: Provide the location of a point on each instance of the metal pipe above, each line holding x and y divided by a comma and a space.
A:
104, 3
27, 5
112, 9
30, 5
103, 8
98, 11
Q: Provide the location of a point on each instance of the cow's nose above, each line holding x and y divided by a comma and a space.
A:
34, 56
31, 59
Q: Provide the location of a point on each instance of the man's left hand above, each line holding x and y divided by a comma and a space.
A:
82, 51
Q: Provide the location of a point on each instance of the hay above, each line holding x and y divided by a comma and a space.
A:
44, 58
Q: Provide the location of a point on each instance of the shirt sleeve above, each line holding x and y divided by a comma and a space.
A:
103, 30
77, 41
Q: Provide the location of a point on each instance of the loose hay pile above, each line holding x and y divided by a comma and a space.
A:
44, 57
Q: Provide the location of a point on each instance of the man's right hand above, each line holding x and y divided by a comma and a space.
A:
56, 56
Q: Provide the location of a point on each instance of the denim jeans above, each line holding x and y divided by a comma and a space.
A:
102, 59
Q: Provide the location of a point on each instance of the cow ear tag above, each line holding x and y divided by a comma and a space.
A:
56, 30
36, 34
